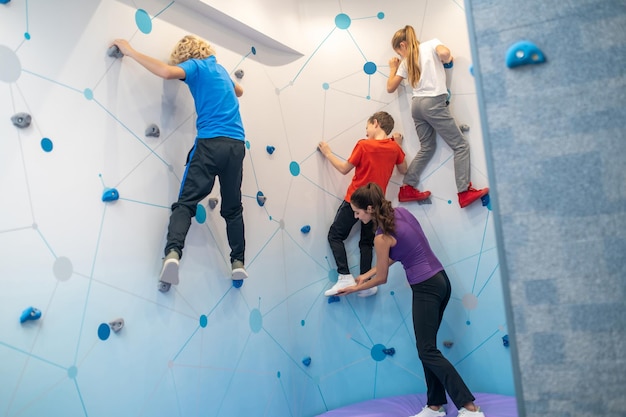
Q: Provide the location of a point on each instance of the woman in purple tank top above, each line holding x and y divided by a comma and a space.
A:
399, 237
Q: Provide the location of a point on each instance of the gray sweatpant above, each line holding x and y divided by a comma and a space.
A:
432, 116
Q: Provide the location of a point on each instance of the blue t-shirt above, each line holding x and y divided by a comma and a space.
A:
412, 248
217, 105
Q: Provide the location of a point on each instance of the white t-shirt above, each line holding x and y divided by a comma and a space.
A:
433, 77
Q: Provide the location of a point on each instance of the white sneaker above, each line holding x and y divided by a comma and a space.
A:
368, 292
169, 272
463, 412
239, 271
342, 282
429, 412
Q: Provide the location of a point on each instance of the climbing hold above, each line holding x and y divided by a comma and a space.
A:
260, 198
21, 120
524, 53
389, 351
333, 299
200, 213
164, 286
448, 97
305, 229
4, 1
505, 340
117, 324
485, 200
110, 194
213, 202
153, 130
448, 343
239, 74
237, 283
31, 313
471, 70
114, 52
464, 128
270, 149
306, 361
449, 64
426, 201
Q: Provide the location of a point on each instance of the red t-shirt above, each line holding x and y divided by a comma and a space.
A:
373, 161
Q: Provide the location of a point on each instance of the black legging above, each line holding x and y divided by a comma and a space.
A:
430, 299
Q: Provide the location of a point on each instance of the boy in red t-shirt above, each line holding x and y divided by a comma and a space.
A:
373, 159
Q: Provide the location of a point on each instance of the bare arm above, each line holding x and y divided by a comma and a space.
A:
342, 166
377, 275
158, 68
394, 80
402, 167
238, 89
444, 54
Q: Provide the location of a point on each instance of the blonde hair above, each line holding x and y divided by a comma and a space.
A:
407, 35
190, 47
371, 195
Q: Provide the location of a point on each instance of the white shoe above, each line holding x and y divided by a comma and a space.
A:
342, 282
429, 412
169, 272
368, 292
239, 271
463, 412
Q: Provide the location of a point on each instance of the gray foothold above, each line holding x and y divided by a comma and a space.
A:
239, 74
21, 120
114, 52
464, 128
213, 202
153, 130
117, 324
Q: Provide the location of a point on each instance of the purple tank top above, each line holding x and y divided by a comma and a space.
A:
412, 248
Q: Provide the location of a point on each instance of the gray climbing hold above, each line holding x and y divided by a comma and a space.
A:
239, 74
448, 343
114, 52
117, 324
464, 128
153, 130
21, 120
213, 202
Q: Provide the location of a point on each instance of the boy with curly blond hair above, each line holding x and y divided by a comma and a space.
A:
219, 148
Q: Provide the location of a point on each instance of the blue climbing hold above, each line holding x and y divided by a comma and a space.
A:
200, 213
306, 361
270, 149
333, 299
471, 70
4, 1
237, 283
505, 340
305, 229
31, 313
389, 351
260, 198
110, 194
524, 53
449, 64
485, 201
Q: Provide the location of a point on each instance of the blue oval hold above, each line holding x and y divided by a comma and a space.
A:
305, 229
143, 21
200, 213
104, 331
237, 283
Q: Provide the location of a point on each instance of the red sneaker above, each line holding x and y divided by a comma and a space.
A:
472, 194
408, 193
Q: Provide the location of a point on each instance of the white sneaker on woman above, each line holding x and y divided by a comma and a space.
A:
429, 412
344, 280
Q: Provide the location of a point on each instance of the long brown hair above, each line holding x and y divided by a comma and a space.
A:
371, 195
407, 35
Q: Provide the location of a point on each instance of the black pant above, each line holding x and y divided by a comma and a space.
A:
430, 299
340, 230
222, 157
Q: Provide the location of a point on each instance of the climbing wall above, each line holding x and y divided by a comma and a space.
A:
88, 182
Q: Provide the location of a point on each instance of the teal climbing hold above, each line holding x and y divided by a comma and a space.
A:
200, 213
110, 194
524, 53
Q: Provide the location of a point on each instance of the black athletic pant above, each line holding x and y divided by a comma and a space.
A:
340, 230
